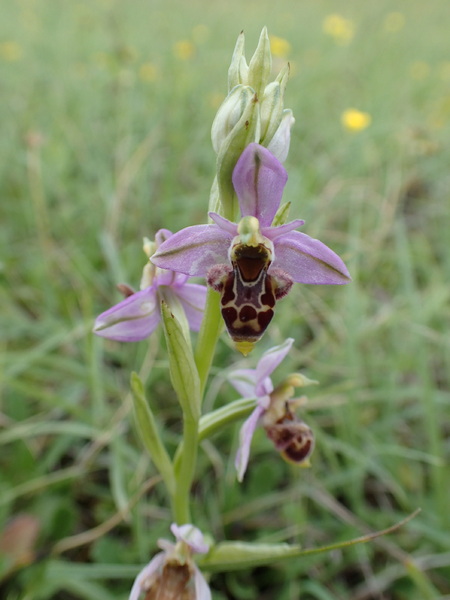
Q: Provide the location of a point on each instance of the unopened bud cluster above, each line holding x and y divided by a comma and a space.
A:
253, 111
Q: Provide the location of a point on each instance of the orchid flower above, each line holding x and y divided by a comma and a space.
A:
172, 573
293, 438
252, 263
136, 317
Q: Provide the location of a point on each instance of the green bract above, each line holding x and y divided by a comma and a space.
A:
183, 372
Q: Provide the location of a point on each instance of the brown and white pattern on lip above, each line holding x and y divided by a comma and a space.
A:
248, 292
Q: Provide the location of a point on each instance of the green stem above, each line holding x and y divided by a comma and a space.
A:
185, 473
215, 421
186, 455
207, 337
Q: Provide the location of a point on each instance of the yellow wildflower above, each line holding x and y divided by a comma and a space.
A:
184, 49
340, 29
279, 46
10, 51
393, 22
148, 72
355, 120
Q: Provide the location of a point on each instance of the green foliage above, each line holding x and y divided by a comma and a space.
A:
105, 138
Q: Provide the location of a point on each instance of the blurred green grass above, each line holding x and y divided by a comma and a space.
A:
105, 112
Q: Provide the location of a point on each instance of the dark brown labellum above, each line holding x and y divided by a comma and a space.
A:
173, 583
249, 293
292, 437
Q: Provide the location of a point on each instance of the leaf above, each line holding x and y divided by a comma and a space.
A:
229, 556
149, 433
217, 419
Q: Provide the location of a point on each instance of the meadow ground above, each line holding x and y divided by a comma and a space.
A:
105, 112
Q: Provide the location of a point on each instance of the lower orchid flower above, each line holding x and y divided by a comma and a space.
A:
172, 574
252, 263
291, 436
136, 317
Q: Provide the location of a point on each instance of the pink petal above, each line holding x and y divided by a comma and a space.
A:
279, 144
192, 536
259, 180
161, 236
224, 224
166, 277
245, 440
244, 381
202, 591
193, 250
132, 320
272, 233
139, 584
308, 260
267, 365
193, 299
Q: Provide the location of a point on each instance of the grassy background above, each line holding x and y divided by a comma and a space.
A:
105, 123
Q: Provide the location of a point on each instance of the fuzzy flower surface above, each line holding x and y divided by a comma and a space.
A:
252, 263
136, 317
172, 573
292, 437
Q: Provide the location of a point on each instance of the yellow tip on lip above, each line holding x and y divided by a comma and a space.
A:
244, 347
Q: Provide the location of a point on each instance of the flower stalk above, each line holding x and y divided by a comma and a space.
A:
250, 256
208, 336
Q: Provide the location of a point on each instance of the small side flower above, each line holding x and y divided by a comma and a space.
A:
136, 317
274, 410
172, 574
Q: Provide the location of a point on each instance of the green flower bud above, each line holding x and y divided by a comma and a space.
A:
229, 113
279, 144
253, 111
272, 104
271, 109
246, 131
238, 71
260, 64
